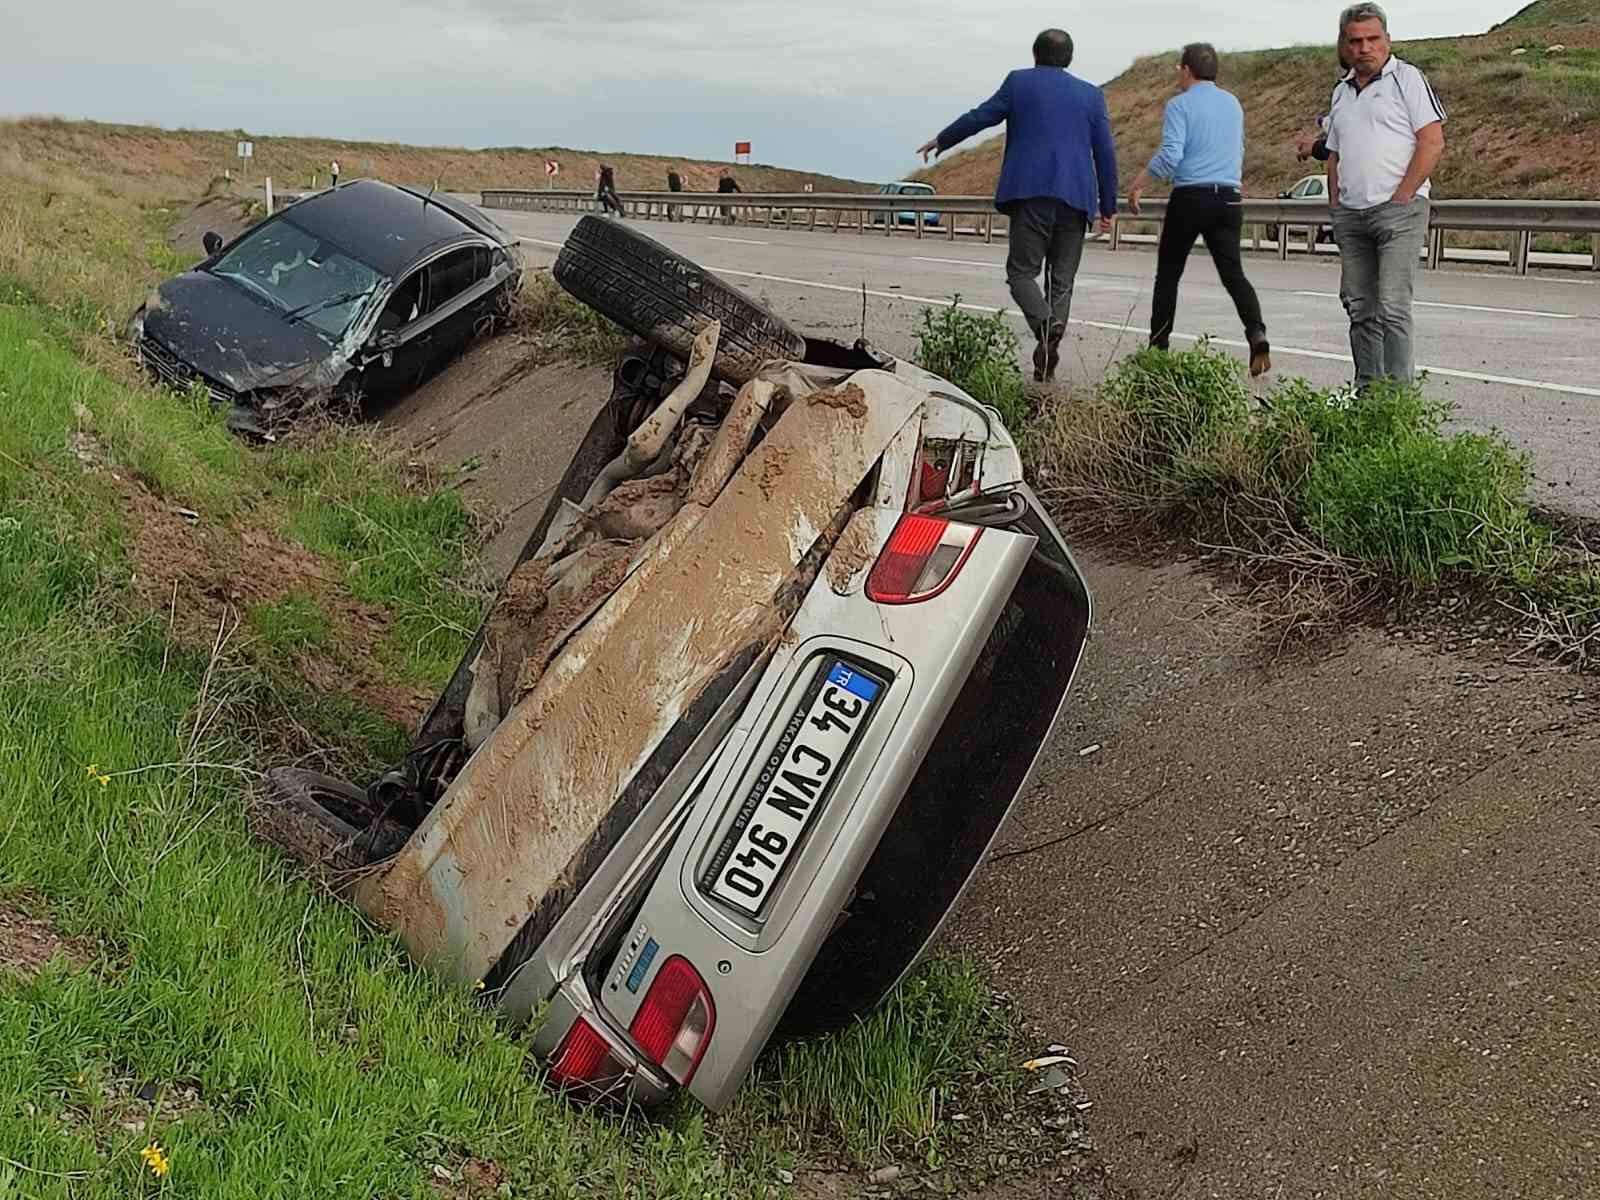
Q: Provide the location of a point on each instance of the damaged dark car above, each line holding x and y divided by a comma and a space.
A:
357, 292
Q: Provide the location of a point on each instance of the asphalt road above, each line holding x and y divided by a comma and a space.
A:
1517, 354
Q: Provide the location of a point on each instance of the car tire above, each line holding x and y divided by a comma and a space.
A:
666, 299
323, 821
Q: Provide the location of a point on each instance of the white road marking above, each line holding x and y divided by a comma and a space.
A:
1570, 389
542, 242
1514, 312
711, 237
960, 262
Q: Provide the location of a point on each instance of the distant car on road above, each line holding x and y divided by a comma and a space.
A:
351, 293
1311, 187
906, 187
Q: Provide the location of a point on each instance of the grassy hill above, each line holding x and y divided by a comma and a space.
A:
1553, 12
146, 164
1521, 125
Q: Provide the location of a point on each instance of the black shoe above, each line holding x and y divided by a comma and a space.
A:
1041, 361
1260, 358
1058, 330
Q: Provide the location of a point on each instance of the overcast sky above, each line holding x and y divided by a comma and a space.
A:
835, 85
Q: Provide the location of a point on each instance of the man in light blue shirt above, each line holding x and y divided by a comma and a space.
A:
1202, 153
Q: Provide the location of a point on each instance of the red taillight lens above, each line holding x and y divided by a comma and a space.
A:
674, 1024
921, 558
583, 1057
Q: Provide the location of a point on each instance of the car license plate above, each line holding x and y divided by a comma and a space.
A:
793, 786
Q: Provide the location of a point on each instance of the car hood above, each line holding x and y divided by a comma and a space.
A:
226, 335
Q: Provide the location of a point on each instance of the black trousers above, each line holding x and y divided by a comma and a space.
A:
1049, 234
1212, 212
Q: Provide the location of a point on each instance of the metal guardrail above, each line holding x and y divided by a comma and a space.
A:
1522, 219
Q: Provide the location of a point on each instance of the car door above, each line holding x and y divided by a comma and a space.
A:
396, 353
451, 304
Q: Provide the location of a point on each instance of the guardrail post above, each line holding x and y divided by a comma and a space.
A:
1116, 232
890, 220
1594, 252
919, 224
1283, 243
1523, 248
1255, 238
1311, 240
813, 223
1435, 249
950, 234
988, 227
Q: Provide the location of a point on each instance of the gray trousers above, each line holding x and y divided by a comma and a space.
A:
1044, 233
1378, 251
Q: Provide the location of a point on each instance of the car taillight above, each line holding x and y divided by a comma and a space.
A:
584, 1057
921, 558
674, 1024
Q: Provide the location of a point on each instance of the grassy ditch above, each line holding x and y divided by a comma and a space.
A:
177, 610
1323, 501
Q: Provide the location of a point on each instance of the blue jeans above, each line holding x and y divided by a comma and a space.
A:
1378, 251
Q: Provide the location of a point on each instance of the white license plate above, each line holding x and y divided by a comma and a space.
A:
792, 787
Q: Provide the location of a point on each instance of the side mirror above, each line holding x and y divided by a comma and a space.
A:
1283, 195
212, 242
387, 341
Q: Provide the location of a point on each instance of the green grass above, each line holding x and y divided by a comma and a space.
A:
875, 1088
294, 623
976, 353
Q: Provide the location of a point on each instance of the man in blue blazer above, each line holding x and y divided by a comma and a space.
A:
1060, 170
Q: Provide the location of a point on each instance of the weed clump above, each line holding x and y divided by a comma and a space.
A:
1333, 493
976, 353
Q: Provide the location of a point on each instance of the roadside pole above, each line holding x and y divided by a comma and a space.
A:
269, 195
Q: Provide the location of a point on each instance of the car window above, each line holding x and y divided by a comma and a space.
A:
303, 275
1299, 189
1315, 188
404, 304
453, 274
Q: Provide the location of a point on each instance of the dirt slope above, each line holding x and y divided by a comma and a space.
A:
146, 164
1313, 928
1521, 125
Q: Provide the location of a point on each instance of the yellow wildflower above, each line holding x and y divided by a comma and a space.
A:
105, 780
156, 1159
91, 770
479, 986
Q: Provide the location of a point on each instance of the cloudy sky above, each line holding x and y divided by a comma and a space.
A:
835, 85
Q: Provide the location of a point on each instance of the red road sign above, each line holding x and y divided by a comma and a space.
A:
741, 148
552, 167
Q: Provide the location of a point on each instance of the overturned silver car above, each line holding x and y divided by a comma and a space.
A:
771, 670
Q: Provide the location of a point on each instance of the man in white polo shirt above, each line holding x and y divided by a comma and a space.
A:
1385, 136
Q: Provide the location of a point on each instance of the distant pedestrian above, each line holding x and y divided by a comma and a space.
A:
333, 169
1385, 137
1059, 171
674, 184
726, 183
605, 191
1202, 153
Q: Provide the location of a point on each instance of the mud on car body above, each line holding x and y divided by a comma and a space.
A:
354, 292
766, 679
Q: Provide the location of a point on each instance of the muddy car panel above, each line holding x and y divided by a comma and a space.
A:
359, 290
